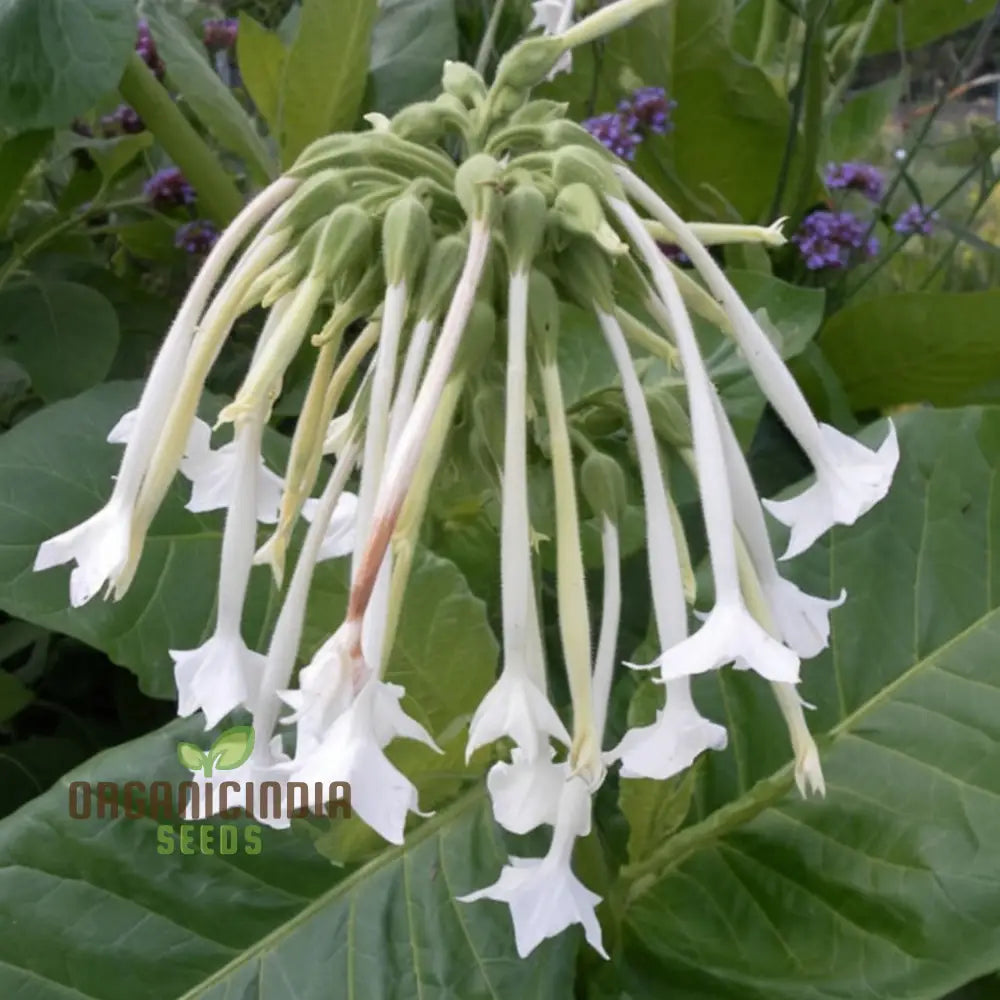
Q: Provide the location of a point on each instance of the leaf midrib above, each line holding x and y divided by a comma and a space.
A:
342, 889
769, 790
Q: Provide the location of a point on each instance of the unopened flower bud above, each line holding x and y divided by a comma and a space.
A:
475, 185
524, 222
670, 420
528, 64
603, 485
426, 122
539, 112
345, 241
444, 265
543, 315
462, 81
406, 238
487, 435
587, 275
317, 197
578, 209
580, 165
477, 339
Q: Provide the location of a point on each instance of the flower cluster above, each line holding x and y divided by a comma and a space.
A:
384, 232
196, 237
146, 48
916, 221
219, 33
646, 112
167, 188
124, 120
863, 177
834, 239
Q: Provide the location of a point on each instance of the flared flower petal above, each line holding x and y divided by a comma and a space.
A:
218, 677
802, 619
525, 793
99, 546
213, 480
850, 480
544, 895
340, 533
352, 751
198, 441
517, 708
730, 632
672, 743
554, 17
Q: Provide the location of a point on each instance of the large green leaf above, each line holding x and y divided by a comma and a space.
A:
55, 470
261, 55
189, 70
410, 43
63, 334
933, 347
888, 887
324, 77
59, 57
918, 22
91, 909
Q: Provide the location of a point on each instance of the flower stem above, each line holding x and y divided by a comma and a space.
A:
218, 195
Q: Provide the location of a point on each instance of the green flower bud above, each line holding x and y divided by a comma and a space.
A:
602, 483
345, 241
462, 81
587, 275
426, 122
579, 165
444, 265
578, 209
528, 64
524, 222
543, 315
487, 434
477, 338
324, 153
670, 419
317, 197
406, 238
475, 186
539, 112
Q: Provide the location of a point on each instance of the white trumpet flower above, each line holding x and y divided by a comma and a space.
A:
729, 631
340, 533
850, 478
673, 742
543, 894
351, 751
525, 793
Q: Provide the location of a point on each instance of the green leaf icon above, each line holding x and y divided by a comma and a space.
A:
232, 748
190, 756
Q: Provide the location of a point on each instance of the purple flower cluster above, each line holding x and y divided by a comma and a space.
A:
219, 33
146, 48
916, 220
196, 237
863, 177
124, 120
833, 239
646, 112
168, 189
674, 253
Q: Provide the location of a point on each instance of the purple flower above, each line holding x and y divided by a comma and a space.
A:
146, 48
833, 239
916, 220
196, 237
650, 109
219, 33
674, 253
863, 177
646, 112
168, 189
616, 132
124, 120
